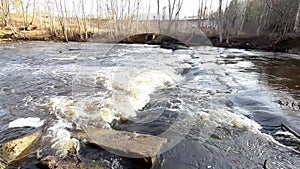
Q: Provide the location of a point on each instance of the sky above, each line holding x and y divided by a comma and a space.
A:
189, 8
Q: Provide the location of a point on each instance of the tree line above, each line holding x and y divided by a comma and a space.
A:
73, 18
258, 17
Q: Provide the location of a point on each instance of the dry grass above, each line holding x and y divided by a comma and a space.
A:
41, 26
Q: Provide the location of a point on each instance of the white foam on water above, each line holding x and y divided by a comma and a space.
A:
81, 110
225, 117
145, 83
61, 138
245, 64
75, 113
285, 133
106, 105
34, 122
64, 57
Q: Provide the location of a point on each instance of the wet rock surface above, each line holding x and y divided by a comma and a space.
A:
17, 149
127, 144
51, 162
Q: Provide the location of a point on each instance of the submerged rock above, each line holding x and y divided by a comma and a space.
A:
51, 162
173, 46
17, 149
165, 41
124, 143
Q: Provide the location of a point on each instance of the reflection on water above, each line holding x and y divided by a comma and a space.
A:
281, 73
229, 104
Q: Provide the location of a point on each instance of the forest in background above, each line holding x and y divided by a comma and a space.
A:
72, 20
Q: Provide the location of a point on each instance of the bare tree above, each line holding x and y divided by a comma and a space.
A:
164, 14
84, 20
99, 13
62, 19
244, 16
148, 13
210, 14
220, 22
231, 16
4, 11
78, 23
262, 19
33, 12
174, 10
204, 12
51, 17
200, 11
158, 15
282, 16
296, 25
25, 7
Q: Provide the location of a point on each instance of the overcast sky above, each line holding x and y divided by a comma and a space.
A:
189, 7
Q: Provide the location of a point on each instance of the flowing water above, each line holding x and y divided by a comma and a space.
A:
218, 108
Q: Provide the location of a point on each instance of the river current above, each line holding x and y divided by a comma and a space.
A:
219, 108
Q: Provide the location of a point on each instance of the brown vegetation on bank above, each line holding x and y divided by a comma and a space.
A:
271, 25
41, 31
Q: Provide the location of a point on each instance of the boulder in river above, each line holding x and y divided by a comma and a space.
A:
125, 143
165, 41
173, 46
17, 149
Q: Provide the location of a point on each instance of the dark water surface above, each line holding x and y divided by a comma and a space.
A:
230, 103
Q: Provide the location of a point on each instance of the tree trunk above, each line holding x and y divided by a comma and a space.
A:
99, 15
203, 13
158, 16
200, 11
244, 17
33, 12
84, 20
78, 22
210, 14
296, 25
261, 20
24, 12
59, 9
52, 28
148, 12
220, 23
66, 20
4, 12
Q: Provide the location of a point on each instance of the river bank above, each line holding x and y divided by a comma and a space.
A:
273, 43
40, 35
289, 43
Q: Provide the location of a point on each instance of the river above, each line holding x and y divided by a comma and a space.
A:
219, 108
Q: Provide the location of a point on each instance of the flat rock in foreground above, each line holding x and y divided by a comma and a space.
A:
17, 149
126, 144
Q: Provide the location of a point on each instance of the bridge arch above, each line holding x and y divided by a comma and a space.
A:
147, 32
